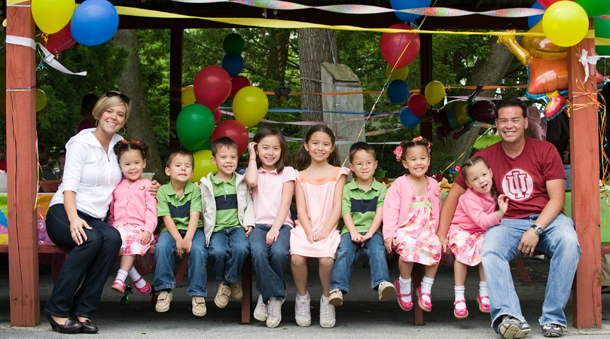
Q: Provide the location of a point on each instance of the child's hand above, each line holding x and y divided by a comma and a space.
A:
186, 245
146, 236
444, 243
310, 237
179, 249
321, 235
249, 230
252, 150
366, 237
388, 244
153, 188
503, 203
272, 236
356, 237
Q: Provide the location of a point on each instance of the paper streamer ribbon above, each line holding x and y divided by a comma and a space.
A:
313, 123
48, 58
585, 60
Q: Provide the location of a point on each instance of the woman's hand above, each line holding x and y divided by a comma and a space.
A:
388, 244
272, 236
77, 231
153, 188
146, 236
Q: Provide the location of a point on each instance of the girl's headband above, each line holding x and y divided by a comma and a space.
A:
398, 150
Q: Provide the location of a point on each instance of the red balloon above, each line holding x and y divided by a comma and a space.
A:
547, 3
216, 115
392, 46
418, 104
234, 130
238, 82
212, 86
61, 40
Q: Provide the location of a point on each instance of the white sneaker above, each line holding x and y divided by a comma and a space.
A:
275, 313
260, 312
302, 311
336, 297
327, 314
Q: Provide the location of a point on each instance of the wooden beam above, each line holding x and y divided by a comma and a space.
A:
175, 79
587, 311
22, 184
425, 76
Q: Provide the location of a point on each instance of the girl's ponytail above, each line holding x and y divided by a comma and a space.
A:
303, 158
334, 158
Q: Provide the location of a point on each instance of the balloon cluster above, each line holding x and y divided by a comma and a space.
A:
213, 85
93, 22
418, 104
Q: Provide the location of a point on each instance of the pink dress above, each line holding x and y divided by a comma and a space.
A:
416, 239
319, 195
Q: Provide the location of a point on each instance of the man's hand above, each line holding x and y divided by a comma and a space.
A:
528, 243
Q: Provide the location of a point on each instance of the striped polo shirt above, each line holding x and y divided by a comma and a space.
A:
361, 204
225, 195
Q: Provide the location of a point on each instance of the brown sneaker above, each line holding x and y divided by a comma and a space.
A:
222, 296
163, 301
199, 308
236, 292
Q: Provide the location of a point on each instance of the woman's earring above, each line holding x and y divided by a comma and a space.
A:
123, 130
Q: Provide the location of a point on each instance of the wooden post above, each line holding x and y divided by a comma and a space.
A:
425, 76
175, 78
587, 311
22, 184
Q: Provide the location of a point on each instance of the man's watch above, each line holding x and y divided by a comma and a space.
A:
538, 229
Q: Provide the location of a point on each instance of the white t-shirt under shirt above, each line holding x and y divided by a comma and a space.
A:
523, 179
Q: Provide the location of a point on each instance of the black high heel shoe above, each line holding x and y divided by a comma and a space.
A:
87, 326
70, 326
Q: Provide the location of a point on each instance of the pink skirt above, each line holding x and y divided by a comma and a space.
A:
466, 246
132, 239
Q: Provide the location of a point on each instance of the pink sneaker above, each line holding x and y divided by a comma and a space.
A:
144, 289
425, 305
119, 286
405, 306
483, 303
460, 313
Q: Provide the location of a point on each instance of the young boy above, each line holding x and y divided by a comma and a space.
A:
179, 204
228, 219
362, 213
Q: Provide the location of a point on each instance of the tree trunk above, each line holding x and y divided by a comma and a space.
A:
139, 125
278, 55
315, 47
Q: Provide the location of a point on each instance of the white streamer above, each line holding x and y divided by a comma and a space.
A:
49, 58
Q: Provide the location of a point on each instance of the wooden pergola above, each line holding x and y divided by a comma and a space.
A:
21, 128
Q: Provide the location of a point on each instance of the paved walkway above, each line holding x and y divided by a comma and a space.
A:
361, 316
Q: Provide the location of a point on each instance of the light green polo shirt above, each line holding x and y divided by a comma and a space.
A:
179, 208
361, 204
225, 195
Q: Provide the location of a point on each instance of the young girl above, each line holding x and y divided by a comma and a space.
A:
133, 212
410, 219
272, 185
475, 213
319, 191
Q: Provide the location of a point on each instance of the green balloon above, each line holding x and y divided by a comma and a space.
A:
233, 43
194, 125
205, 146
594, 7
602, 30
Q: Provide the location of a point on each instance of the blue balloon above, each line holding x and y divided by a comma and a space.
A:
233, 63
407, 4
94, 22
533, 20
408, 119
398, 91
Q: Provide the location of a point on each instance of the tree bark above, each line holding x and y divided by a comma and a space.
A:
139, 125
315, 47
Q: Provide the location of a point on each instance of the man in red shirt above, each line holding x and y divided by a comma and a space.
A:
530, 173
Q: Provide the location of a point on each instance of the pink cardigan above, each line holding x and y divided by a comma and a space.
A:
397, 203
475, 212
132, 204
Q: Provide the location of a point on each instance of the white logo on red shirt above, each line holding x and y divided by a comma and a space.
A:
517, 184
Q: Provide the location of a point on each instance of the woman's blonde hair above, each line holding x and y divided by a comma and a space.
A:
108, 100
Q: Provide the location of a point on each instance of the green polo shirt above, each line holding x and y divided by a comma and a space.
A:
225, 195
179, 208
361, 204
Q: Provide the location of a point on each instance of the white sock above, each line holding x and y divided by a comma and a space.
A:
459, 295
121, 275
324, 299
483, 289
426, 287
134, 276
405, 288
302, 298
272, 299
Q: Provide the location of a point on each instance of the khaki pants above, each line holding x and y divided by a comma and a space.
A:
605, 270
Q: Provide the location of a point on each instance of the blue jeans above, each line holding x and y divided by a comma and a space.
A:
348, 253
270, 261
165, 249
229, 249
559, 241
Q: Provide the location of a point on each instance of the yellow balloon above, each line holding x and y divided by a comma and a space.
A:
398, 74
565, 23
435, 92
52, 15
203, 165
41, 99
188, 96
250, 105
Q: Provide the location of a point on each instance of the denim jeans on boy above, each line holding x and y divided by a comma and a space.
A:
348, 253
229, 249
270, 261
92, 260
165, 249
559, 241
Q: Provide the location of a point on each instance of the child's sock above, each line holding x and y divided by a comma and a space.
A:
405, 288
226, 283
302, 298
121, 275
135, 276
483, 289
459, 295
426, 287
324, 299
272, 299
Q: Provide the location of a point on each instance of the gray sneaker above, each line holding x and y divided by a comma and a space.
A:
552, 330
302, 311
511, 327
275, 313
260, 312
